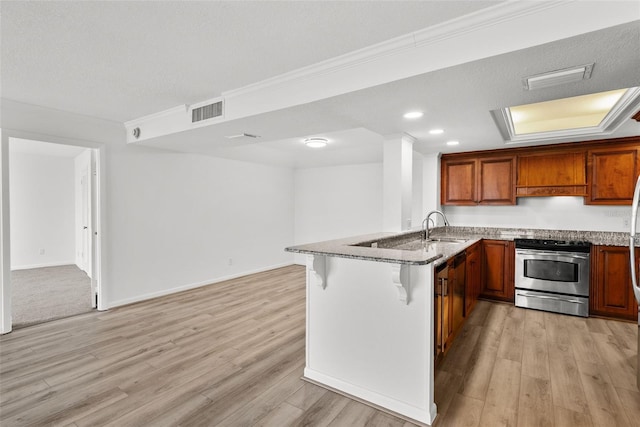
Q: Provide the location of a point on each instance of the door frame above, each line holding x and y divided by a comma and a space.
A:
82, 205
98, 218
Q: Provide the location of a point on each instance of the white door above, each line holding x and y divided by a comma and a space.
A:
85, 199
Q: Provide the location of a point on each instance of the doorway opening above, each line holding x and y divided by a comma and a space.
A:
53, 210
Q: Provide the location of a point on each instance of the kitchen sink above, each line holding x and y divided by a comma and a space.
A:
447, 240
411, 245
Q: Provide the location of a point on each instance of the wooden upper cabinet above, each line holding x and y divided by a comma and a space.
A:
603, 172
552, 174
459, 182
612, 175
478, 181
496, 181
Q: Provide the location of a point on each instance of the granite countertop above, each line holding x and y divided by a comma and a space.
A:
396, 248
608, 238
407, 247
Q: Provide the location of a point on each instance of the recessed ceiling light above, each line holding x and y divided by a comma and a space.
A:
413, 115
316, 142
453, 142
436, 131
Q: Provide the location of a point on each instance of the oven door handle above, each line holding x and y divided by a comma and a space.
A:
575, 301
553, 254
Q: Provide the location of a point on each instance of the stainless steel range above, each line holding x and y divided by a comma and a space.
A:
553, 275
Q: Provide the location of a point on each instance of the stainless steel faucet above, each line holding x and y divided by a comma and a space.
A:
425, 224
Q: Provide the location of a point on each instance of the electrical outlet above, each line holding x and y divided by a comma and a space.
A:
626, 222
41, 251
230, 261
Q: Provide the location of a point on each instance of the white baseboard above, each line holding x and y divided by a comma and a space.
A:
49, 264
151, 295
422, 415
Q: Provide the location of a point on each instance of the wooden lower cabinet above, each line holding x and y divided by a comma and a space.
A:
457, 283
498, 258
472, 278
611, 292
440, 310
449, 301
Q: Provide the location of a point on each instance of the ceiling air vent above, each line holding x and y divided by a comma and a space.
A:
558, 77
205, 112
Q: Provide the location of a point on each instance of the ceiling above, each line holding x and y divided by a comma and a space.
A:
123, 60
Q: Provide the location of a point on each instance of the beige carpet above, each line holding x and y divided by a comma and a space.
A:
43, 294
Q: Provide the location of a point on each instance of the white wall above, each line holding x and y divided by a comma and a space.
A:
42, 210
430, 183
335, 202
563, 213
176, 219
172, 220
417, 211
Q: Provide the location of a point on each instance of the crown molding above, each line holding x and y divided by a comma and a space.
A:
476, 21
481, 19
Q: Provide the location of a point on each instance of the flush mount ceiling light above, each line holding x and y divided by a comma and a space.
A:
594, 114
436, 131
413, 115
453, 142
558, 77
316, 142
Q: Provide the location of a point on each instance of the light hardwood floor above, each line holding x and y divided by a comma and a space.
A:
515, 367
232, 354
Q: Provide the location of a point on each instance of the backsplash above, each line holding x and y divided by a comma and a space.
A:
561, 213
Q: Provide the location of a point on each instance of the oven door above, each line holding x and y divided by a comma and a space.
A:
558, 272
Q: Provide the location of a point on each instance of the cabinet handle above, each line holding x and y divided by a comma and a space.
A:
443, 286
443, 340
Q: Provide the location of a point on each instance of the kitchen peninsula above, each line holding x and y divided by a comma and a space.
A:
370, 327
370, 305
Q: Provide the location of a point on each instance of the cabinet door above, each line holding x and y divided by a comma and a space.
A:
552, 174
611, 293
457, 306
441, 310
612, 176
485, 181
472, 279
497, 270
496, 181
458, 182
